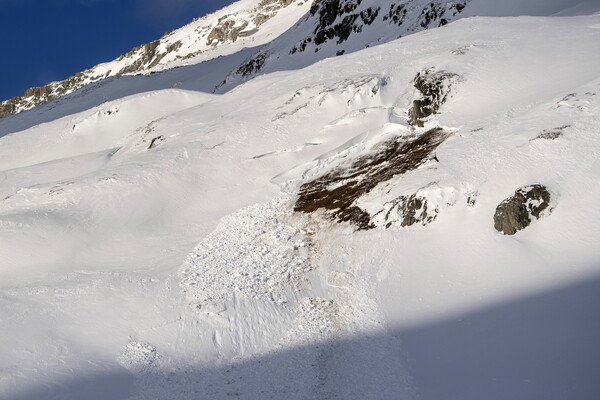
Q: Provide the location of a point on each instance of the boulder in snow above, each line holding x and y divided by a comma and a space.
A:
515, 213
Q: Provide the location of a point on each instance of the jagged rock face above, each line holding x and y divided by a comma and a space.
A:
337, 19
515, 213
552, 134
149, 56
440, 13
9, 106
434, 89
207, 34
436, 13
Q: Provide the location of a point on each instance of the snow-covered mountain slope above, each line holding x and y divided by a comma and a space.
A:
335, 27
246, 23
313, 31
161, 246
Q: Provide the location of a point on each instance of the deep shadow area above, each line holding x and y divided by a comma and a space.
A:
115, 385
543, 347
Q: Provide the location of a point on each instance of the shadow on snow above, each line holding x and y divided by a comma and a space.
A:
542, 347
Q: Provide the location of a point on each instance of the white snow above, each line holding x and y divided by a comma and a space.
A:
175, 268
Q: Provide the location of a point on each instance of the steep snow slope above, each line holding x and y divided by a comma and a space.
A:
149, 246
335, 27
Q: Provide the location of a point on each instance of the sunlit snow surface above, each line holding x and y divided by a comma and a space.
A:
148, 248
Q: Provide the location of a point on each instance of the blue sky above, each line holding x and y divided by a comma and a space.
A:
47, 40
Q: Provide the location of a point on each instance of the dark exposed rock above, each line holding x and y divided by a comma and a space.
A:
552, 134
334, 21
226, 31
369, 15
337, 191
419, 208
515, 212
330, 11
434, 88
148, 56
432, 15
397, 14
472, 198
252, 65
156, 141
413, 210
434, 12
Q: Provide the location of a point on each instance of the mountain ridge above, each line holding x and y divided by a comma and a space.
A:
222, 32
325, 28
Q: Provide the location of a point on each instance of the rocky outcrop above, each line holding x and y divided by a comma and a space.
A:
440, 13
552, 134
229, 28
434, 88
419, 208
433, 14
252, 65
337, 191
516, 212
337, 20
146, 56
410, 210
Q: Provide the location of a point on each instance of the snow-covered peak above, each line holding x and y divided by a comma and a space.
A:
246, 23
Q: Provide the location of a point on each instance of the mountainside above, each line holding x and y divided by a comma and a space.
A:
318, 29
336, 27
413, 220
